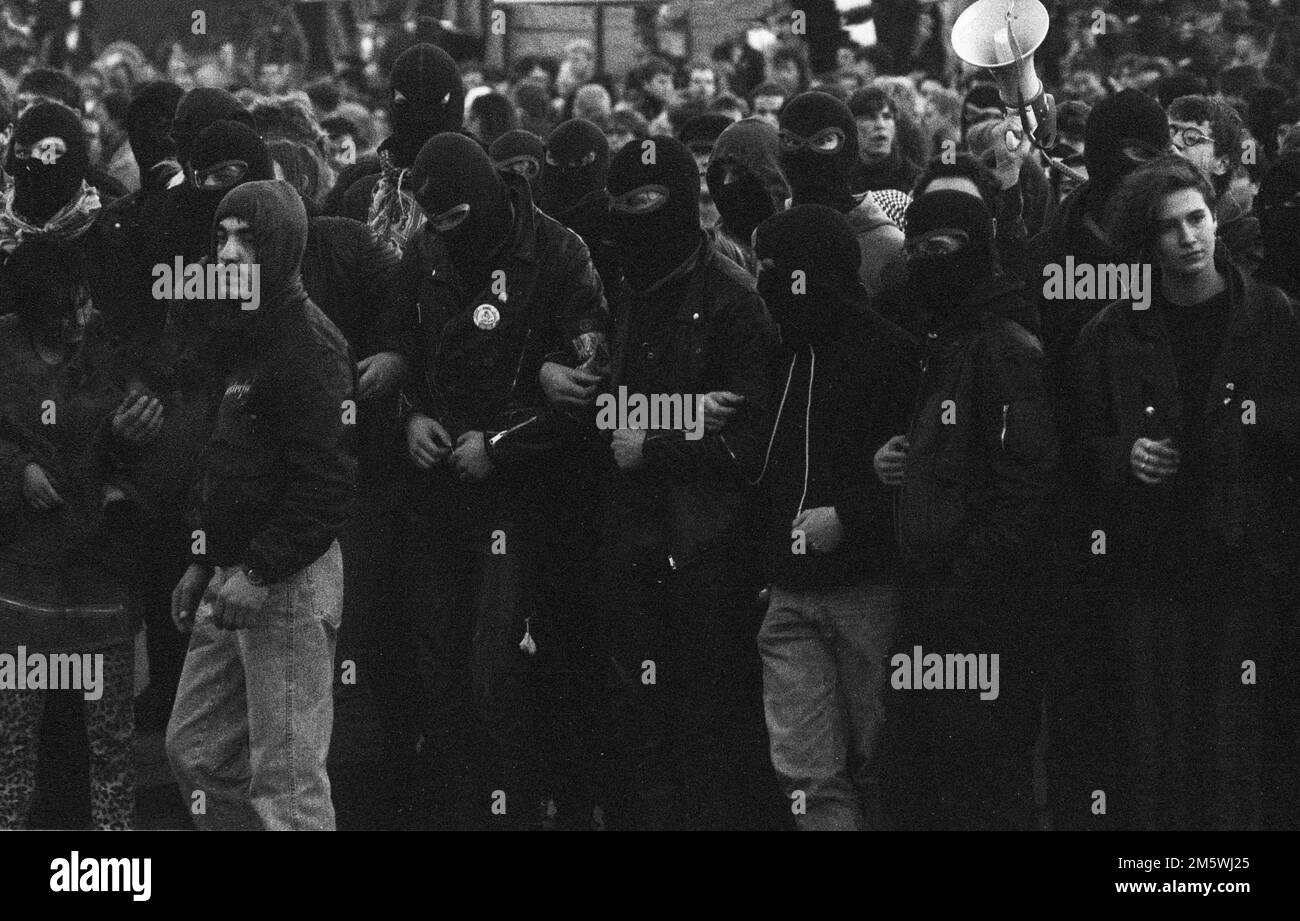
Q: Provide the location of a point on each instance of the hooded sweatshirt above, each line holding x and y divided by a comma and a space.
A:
850, 381
751, 150
278, 479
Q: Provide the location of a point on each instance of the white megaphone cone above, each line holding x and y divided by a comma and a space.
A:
1002, 36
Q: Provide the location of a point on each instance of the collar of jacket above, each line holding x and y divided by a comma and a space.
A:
1000, 295
1242, 324
521, 244
692, 262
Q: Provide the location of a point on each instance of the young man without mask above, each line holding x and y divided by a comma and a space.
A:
491, 291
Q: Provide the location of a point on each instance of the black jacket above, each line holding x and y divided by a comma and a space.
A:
475, 379
703, 328
1123, 363
982, 458
278, 478
855, 398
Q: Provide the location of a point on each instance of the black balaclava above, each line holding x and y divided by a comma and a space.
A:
521, 152
819, 242
451, 171
981, 96
1278, 205
949, 248
202, 107
149, 120
654, 189
819, 150
275, 214
51, 174
751, 151
212, 161
577, 165
1129, 119
428, 98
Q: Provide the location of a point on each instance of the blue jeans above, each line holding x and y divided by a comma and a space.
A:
255, 708
824, 670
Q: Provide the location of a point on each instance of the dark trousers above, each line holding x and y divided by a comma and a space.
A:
953, 760
466, 606
688, 744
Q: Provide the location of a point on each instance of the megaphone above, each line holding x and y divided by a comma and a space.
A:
1002, 36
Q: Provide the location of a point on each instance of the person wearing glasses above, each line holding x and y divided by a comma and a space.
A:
1209, 132
820, 159
1184, 413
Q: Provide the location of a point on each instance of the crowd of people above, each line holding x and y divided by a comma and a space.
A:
995, 463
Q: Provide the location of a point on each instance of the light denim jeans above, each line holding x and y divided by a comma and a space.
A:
824, 671
255, 709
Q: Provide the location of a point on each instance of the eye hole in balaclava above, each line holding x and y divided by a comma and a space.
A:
458, 188
949, 247
819, 150
48, 158
576, 166
654, 189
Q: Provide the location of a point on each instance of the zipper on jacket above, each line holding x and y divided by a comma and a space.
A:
1002, 439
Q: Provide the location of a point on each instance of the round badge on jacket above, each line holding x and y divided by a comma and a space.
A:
486, 316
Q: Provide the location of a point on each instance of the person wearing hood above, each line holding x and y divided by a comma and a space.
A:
521, 152
883, 164
976, 476
819, 157
70, 430
678, 570
699, 134
1186, 411
572, 190
263, 598
744, 178
427, 98
831, 548
491, 298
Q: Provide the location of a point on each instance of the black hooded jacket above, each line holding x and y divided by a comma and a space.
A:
278, 479
982, 458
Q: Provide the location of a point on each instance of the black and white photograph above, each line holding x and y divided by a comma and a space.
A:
610, 415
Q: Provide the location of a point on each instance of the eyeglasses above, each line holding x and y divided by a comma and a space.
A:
826, 141
221, 175
1190, 136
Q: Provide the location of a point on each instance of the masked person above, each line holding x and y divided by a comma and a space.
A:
428, 98
66, 507
263, 599
831, 547
1186, 409
819, 156
572, 190
521, 152
976, 475
744, 177
495, 496
678, 570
